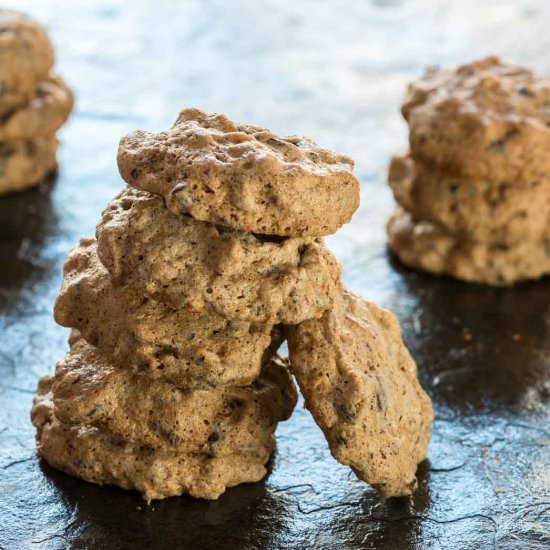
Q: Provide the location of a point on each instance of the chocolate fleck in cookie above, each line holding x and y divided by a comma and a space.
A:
429, 247
26, 163
359, 382
504, 212
219, 421
43, 115
101, 457
26, 57
487, 120
177, 345
242, 176
209, 269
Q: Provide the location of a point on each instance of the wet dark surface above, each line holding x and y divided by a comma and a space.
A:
336, 75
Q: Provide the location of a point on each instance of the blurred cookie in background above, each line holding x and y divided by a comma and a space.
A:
34, 103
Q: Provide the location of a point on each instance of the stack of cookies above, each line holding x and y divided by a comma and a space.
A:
34, 103
474, 190
200, 268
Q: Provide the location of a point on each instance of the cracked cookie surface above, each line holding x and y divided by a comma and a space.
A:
359, 382
486, 119
426, 246
177, 345
504, 212
100, 457
88, 389
242, 176
209, 269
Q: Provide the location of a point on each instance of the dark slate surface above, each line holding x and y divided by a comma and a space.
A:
334, 71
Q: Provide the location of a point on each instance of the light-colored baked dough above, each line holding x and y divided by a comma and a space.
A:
26, 57
43, 115
100, 457
187, 263
219, 421
242, 176
25, 163
359, 382
487, 120
140, 333
426, 246
475, 209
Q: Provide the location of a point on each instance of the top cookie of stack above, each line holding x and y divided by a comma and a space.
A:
34, 102
474, 190
242, 176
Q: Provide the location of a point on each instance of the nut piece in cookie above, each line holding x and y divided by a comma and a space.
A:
24, 164
210, 269
429, 247
137, 332
26, 57
219, 421
101, 457
359, 383
486, 120
242, 176
504, 212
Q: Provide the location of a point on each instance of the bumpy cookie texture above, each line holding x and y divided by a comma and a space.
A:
186, 263
223, 421
487, 120
101, 457
426, 246
359, 382
26, 163
504, 212
242, 176
43, 115
137, 332
26, 57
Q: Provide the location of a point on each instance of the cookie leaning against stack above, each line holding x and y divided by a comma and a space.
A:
474, 190
182, 302
34, 103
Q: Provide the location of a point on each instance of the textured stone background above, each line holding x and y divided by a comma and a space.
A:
334, 71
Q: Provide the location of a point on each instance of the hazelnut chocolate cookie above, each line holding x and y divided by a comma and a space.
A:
183, 262
26, 163
43, 115
359, 382
26, 57
242, 176
486, 120
429, 247
151, 338
220, 421
101, 457
472, 208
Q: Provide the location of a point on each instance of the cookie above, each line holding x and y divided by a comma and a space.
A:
140, 333
221, 421
24, 164
242, 176
209, 269
428, 247
359, 383
43, 115
475, 209
26, 57
103, 458
486, 120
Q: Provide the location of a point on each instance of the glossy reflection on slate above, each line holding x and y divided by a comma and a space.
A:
336, 75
